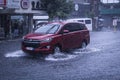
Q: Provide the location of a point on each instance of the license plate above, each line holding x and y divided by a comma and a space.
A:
29, 48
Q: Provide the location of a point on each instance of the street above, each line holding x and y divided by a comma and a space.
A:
99, 61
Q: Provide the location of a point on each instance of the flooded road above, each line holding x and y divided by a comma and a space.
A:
99, 61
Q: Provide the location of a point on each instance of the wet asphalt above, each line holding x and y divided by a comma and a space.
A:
100, 61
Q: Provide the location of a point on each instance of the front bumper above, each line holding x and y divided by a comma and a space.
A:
37, 48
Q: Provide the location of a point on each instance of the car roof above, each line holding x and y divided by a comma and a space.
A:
65, 22
80, 19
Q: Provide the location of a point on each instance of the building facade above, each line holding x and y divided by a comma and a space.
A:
110, 12
16, 16
81, 9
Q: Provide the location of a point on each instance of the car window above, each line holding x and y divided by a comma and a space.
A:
72, 27
48, 29
82, 26
80, 20
76, 27
87, 21
53, 29
67, 27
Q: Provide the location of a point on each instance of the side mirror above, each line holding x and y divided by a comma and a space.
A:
65, 31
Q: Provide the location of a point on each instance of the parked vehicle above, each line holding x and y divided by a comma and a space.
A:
55, 37
86, 21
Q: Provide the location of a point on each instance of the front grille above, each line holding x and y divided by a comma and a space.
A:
34, 45
31, 43
32, 40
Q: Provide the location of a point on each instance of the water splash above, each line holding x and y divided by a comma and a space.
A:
75, 53
59, 57
18, 53
87, 50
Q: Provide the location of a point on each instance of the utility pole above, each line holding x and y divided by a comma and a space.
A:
95, 13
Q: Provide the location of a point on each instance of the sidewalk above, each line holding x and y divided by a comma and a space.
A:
8, 40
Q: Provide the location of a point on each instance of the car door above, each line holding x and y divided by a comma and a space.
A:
77, 35
82, 34
67, 38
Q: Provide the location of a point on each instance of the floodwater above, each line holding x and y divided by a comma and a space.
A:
57, 56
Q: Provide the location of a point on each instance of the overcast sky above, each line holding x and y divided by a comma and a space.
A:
110, 1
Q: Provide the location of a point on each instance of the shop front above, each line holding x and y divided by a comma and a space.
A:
19, 25
13, 26
16, 18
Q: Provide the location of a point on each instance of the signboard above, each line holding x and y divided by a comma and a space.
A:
2, 2
115, 22
76, 7
16, 0
15, 4
25, 4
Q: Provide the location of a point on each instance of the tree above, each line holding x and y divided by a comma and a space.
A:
59, 9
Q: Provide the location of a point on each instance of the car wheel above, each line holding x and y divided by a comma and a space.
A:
57, 49
83, 45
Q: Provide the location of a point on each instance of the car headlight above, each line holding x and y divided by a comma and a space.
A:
46, 40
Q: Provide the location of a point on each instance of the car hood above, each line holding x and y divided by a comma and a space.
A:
37, 36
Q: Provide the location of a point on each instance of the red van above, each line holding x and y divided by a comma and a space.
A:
55, 37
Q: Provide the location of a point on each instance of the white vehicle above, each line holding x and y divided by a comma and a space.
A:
86, 21
39, 19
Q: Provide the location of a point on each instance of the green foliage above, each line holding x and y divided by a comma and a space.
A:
58, 8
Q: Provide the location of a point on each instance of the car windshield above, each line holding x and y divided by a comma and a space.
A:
48, 29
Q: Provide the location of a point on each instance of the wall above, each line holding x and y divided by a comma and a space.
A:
25, 6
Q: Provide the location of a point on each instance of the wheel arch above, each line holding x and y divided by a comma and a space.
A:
84, 40
59, 45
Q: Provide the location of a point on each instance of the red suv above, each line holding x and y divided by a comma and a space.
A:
56, 36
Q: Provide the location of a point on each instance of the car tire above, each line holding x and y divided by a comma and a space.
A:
83, 45
57, 49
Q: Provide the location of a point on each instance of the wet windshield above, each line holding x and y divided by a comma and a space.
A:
48, 29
